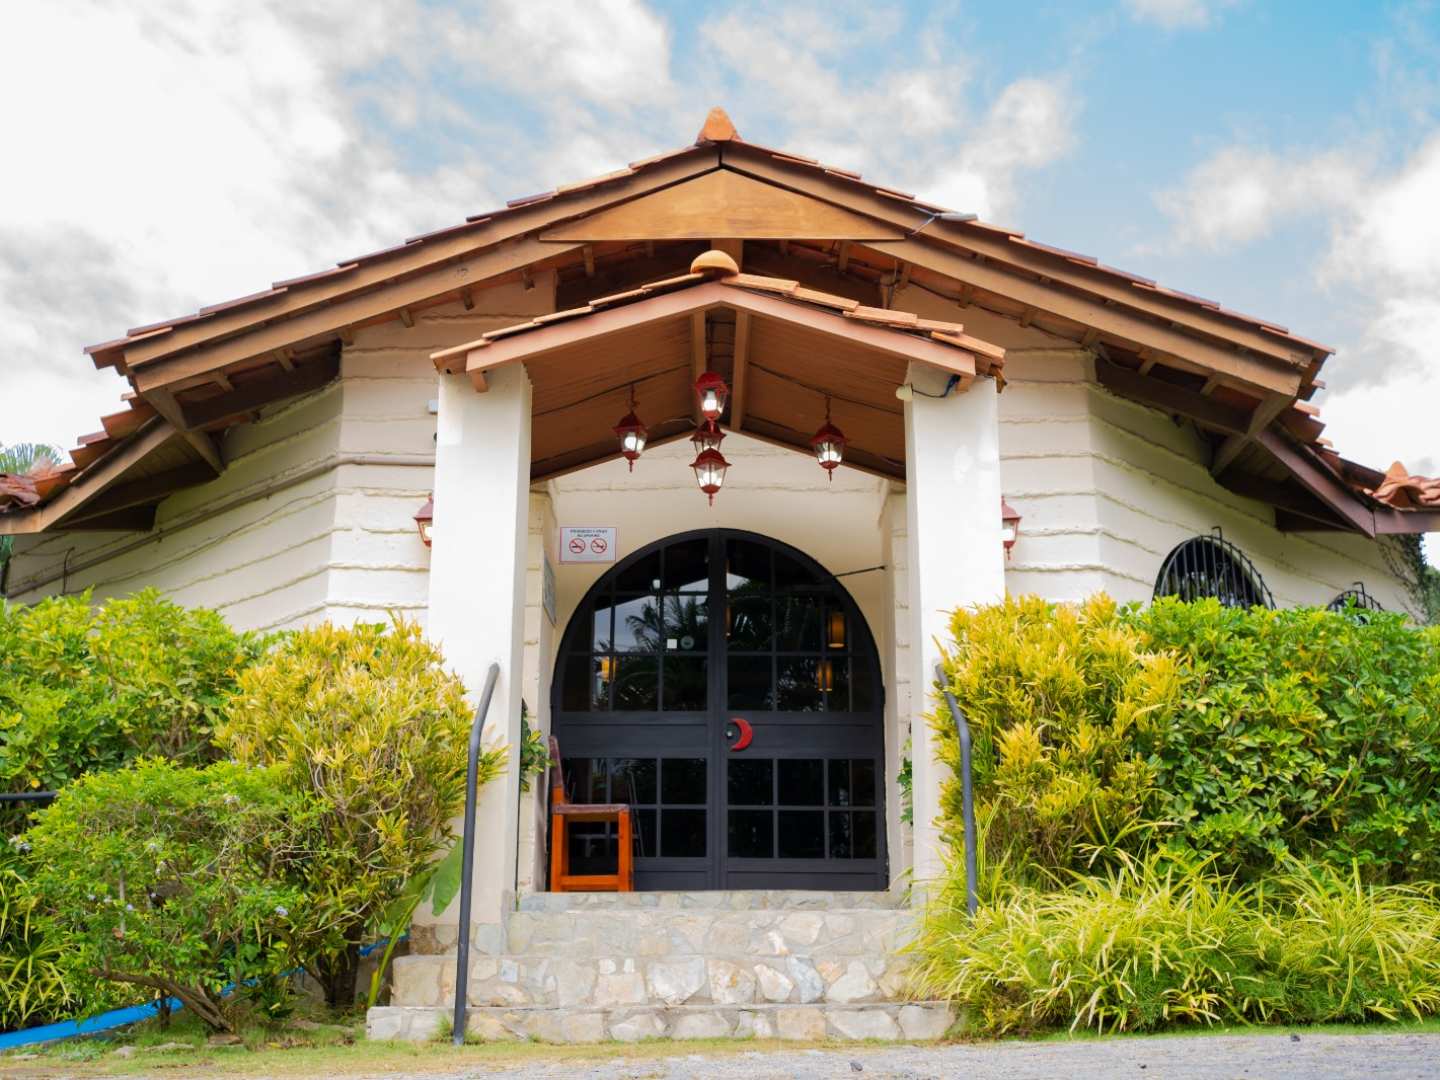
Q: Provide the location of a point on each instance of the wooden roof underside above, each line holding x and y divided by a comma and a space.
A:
1241, 376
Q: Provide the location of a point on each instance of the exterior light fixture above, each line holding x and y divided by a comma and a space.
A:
424, 520
829, 445
631, 433
711, 393
1009, 525
707, 437
710, 466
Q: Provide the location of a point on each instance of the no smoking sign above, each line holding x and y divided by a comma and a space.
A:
587, 543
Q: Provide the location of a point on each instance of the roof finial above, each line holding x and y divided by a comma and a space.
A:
718, 127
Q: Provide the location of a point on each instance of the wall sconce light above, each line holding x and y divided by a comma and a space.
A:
1009, 525
424, 520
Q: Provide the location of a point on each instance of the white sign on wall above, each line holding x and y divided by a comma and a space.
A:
587, 543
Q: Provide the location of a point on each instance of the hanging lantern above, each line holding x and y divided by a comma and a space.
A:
631, 433
425, 519
710, 466
829, 445
1009, 525
711, 393
835, 629
708, 436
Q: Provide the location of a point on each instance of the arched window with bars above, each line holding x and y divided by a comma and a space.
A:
1356, 598
1212, 566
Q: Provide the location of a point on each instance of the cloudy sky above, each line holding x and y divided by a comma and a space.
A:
1282, 157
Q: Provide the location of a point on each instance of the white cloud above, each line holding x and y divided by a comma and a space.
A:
1176, 14
1241, 193
1383, 257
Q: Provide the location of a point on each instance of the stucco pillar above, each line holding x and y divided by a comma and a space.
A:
477, 594
955, 556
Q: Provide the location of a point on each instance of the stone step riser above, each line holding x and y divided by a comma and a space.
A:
720, 900
634, 981
809, 1023
676, 933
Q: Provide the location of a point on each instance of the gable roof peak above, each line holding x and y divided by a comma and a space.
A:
717, 127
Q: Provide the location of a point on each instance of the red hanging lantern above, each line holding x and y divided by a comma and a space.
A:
710, 466
708, 436
829, 445
631, 433
711, 393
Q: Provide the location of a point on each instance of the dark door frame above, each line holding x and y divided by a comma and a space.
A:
837, 736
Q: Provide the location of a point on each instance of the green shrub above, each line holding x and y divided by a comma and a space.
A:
1243, 735
172, 879
367, 722
1153, 944
84, 688
1058, 699
1300, 731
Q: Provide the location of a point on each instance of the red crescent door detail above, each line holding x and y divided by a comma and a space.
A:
746, 733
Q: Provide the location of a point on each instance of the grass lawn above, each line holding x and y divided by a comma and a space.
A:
338, 1050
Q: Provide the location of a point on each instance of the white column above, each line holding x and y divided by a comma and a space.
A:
477, 593
956, 558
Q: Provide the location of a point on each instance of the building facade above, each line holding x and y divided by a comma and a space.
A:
274, 451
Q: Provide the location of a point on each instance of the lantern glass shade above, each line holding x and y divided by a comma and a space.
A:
710, 466
424, 520
632, 434
829, 446
1009, 525
711, 393
708, 436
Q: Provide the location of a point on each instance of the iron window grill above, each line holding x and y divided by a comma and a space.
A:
1211, 566
1355, 599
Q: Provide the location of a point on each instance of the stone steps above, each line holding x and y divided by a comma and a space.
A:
629, 980
810, 1023
580, 967
695, 931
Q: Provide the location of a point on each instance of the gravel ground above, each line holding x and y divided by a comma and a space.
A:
1211, 1057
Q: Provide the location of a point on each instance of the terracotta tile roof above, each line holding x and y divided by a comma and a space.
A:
989, 358
1406, 492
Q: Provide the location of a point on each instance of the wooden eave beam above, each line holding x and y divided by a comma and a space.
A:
442, 259
742, 362
1282, 497
260, 392
686, 303
1319, 482
90, 484
1108, 289
1171, 398
140, 492
1269, 408
200, 441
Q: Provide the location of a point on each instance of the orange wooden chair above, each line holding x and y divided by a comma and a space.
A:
563, 811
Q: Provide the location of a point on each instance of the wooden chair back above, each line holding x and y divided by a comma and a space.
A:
557, 774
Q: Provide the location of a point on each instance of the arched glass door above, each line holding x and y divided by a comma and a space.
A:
725, 685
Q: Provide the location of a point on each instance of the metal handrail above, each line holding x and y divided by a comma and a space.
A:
467, 858
967, 793
28, 796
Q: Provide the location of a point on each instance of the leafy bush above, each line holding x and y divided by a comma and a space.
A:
1058, 699
85, 688
368, 723
172, 879
1243, 735
1154, 943
1300, 731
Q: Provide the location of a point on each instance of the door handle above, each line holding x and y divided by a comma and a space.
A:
739, 725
